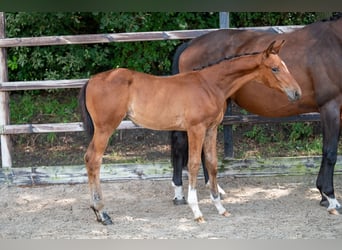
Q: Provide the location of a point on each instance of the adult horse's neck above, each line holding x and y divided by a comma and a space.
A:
230, 75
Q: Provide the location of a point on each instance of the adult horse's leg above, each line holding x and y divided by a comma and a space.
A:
179, 159
93, 160
209, 147
179, 143
330, 120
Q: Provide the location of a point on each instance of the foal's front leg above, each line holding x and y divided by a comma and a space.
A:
93, 159
195, 139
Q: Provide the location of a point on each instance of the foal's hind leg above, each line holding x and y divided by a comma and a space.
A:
209, 148
206, 177
93, 160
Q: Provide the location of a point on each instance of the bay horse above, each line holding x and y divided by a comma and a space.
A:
314, 57
193, 102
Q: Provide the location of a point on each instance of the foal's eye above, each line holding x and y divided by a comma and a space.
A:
275, 69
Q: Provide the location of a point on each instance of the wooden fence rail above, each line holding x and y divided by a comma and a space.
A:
7, 129
123, 37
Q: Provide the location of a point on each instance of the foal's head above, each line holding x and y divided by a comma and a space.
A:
275, 73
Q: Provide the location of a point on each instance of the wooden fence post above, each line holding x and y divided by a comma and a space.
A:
227, 129
4, 101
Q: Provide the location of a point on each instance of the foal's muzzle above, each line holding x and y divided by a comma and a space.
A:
293, 95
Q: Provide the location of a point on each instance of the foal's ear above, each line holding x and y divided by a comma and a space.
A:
273, 49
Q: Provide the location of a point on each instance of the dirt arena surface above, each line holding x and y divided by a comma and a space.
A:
283, 207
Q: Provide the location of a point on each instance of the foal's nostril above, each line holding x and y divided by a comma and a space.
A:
297, 95
294, 95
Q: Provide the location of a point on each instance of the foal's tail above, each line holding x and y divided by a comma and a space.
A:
86, 118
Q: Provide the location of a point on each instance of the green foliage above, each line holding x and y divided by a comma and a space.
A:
33, 108
258, 133
300, 130
293, 132
81, 61
256, 19
294, 138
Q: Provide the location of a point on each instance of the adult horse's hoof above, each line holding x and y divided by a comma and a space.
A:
334, 211
324, 203
179, 201
332, 205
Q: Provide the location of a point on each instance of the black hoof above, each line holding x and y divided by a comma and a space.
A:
102, 217
106, 220
179, 201
324, 203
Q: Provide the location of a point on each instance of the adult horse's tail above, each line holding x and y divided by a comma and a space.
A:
175, 59
179, 139
86, 118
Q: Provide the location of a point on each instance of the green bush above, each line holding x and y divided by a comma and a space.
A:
81, 61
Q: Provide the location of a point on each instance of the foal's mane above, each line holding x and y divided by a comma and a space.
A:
227, 58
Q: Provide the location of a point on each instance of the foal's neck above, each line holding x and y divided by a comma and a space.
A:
230, 75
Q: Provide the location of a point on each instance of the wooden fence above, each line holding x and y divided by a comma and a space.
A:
7, 129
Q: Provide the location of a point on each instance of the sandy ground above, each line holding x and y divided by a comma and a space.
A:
283, 207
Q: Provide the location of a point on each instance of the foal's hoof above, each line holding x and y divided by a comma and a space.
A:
102, 217
226, 214
200, 219
179, 201
105, 220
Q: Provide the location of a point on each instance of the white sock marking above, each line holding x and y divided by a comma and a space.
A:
218, 204
193, 202
220, 190
333, 203
178, 192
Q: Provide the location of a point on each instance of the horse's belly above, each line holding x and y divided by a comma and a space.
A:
271, 103
157, 122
